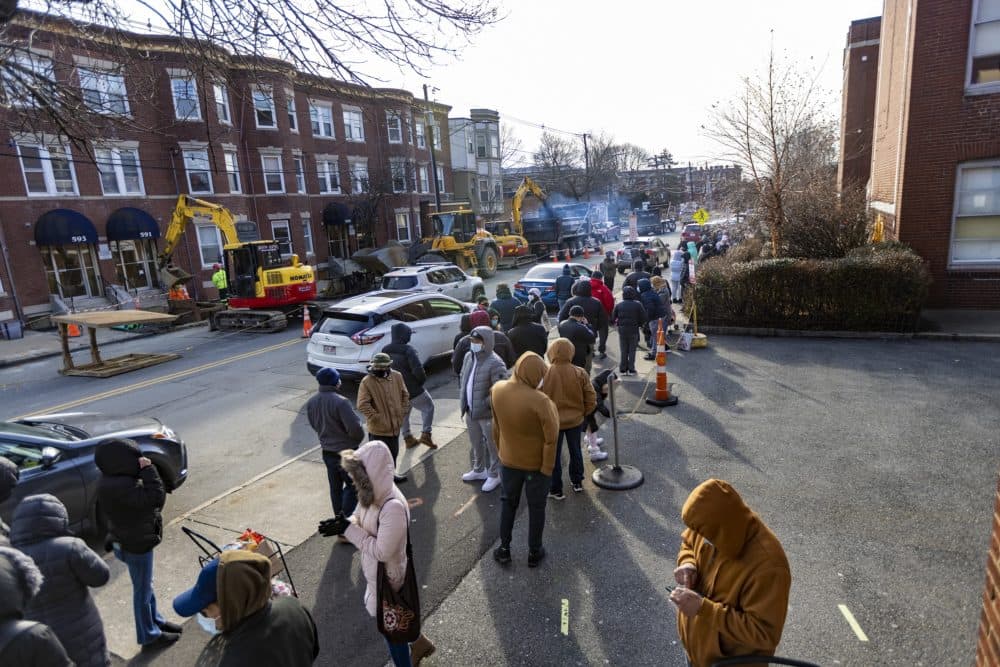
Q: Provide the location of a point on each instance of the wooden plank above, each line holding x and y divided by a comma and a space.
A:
64, 339
112, 318
95, 354
119, 365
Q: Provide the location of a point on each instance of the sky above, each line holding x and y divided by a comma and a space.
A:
645, 72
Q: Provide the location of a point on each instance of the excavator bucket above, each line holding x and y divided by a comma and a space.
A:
172, 275
381, 260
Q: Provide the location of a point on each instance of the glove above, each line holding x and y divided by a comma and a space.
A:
334, 526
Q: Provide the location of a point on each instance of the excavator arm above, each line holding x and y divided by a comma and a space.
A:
527, 186
186, 210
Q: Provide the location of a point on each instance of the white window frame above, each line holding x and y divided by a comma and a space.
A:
265, 171
409, 127
114, 154
38, 63
191, 86
283, 223
425, 179
397, 169
199, 228
440, 178
290, 112
405, 213
494, 139
970, 87
394, 123
354, 132
231, 159
357, 186
421, 135
223, 112
327, 166
307, 235
43, 146
190, 154
110, 85
482, 145
299, 169
989, 264
269, 94
322, 128
483, 186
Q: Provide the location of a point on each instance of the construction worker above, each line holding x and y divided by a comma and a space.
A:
220, 282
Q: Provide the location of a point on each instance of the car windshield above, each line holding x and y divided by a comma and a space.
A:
346, 324
399, 282
692, 228
41, 430
544, 272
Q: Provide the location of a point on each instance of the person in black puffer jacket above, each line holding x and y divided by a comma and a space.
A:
583, 296
33, 644
564, 285
406, 360
638, 273
504, 304
8, 480
527, 335
131, 494
40, 529
628, 316
651, 302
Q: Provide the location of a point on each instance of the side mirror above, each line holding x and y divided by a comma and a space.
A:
50, 455
295, 259
464, 277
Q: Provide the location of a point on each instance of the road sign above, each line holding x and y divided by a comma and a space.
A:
700, 216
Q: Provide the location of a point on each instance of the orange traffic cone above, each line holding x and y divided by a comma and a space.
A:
569, 257
184, 292
307, 325
555, 257
73, 331
662, 397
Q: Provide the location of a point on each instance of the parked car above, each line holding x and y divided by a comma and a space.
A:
350, 332
445, 279
643, 247
692, 232
55, 454
543, 276
606, 231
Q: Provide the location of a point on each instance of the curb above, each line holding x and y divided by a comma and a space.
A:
6, 363
855, 335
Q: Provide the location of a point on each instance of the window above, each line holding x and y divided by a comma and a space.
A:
47, 168
321, 117
221, 103
409, 127
293, 121
395, 125
359, 176
470, 144
443, 307
209, 244
354, 127
300, 174
104, 91
484, 191
198, 174
185, 93
425, 183
329, 176
25, 71
307, 235
984, 51
232, 171
497, 193
480, 144
976, 229
282, 236
494, 145
263, 104
119, 170
398, 170
440, 179
403, 225
421, 140
274, 179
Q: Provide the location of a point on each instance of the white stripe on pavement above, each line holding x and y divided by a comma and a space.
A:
853, 622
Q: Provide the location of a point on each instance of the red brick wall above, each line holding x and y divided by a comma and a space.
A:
988, 647
891, 98
858, 111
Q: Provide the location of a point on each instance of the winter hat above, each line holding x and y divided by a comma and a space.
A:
479, 318
576, 311
381, 361
534, 291
328, 377
597, 274
216, 266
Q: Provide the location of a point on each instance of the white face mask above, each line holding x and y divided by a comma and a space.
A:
207, 624
540, 383
476, 347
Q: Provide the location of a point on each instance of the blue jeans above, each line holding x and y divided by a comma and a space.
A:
572, 437
400, 653
343, 497
140, 571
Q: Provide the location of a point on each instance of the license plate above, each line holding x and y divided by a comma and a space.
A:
329, 349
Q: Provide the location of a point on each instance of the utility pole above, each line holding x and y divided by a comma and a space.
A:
430, 135
690, 182
586, 164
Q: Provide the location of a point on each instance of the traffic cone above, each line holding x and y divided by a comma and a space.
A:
306, 322
569, 257
662, 397
555, 257
73, 331
184, 292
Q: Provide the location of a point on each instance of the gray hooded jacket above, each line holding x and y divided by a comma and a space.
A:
485, 368
37, 645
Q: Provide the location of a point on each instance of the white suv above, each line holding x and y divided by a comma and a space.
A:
445, 279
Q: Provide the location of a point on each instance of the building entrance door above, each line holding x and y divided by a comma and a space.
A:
136, 263
72, 271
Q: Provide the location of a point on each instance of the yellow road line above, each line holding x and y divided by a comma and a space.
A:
564, 623
853, 622
466, 506
154, 381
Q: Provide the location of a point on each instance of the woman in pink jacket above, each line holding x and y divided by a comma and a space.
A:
378, 529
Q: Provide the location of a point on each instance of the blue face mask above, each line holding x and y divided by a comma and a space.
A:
207, 624
476, 347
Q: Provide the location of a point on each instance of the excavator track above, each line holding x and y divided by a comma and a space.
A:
257, 321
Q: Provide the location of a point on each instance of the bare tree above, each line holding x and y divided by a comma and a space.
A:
632, 157
511, 148
559, 161
777, 129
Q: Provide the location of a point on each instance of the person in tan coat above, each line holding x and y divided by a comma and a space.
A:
384, 402
526, 426
570, 389
733, 578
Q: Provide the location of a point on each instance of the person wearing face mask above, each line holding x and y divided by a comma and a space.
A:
501, 343
384, 402
525, 425
481, 369
232, 598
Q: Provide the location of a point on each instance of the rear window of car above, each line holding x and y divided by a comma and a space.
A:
399, 282
544, 272
691, 228
345, 324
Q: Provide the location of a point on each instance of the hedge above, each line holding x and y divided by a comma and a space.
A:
875, 288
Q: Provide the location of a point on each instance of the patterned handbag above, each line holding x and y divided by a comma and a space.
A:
398, 612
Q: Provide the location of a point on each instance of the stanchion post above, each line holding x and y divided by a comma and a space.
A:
616, 477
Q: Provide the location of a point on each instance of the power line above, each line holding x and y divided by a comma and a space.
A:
541, 126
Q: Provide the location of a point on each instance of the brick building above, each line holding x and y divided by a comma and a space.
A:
857, 114
988, 645
935, 168
273, 145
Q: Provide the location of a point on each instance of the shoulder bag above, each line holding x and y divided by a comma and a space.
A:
398, 612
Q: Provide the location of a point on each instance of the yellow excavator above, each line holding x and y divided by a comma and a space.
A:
264, 287
527, 186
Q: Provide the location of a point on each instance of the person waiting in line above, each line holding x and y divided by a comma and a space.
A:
383, 400
501, 343
31, 644
650, 301
220, 281
593, 309
628, 316
638, 273
481, 369
564, 285
406, 360
677, 266
609, 269
527, 335
504, 305
578, 330
601, 388
601, 292
539, 313
9, 474
569, 387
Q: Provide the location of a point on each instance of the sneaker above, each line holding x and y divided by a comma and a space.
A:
649, 357
557, 495
502, 555
163, 640
490, 484
600, 441
535, 557
167, 626
598, 456
578, 487
410, 441
473, 476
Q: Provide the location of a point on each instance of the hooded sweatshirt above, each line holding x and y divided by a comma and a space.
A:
638, 273
650, 301
384, 402
568, 386
381, 520
592, 308
564, 283
743, 575
504, 304
601, 292
501, 344
256, 629
405, 359
677, 264
40, 529
131, 498
333, 418
581, 337
485, 369
629, 315
525, 421
37, 645
8, 480
527, 335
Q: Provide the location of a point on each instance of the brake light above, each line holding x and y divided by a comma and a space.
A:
519, 287
364, 338
551, 288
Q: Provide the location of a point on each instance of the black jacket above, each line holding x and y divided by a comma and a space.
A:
527, 335
597, 317
609, 267
650, 301
537, 310
582, 338
629, 315
632, 279
131, 498
505, 305
40, 529
501, 345
332, 416
406, 360
36, 646
564, 284
282, 634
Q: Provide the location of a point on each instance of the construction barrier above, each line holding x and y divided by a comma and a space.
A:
616, 476
306, 322
662, 397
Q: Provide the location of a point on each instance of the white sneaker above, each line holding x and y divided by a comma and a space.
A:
598, 455
490, 484
473, 476
600, 441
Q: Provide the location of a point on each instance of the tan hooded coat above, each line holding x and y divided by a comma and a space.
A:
525, 421
568, 386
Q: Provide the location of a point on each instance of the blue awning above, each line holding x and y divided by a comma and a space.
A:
335, 214
132, 223
61, 226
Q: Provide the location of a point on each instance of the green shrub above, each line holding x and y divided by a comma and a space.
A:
875, 288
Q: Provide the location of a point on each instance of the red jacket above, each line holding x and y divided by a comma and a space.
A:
599, 291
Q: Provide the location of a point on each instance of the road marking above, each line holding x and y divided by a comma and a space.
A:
853, 622
466, 506
564, 624
154, 381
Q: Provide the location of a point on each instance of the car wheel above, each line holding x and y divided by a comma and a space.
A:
478, 292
